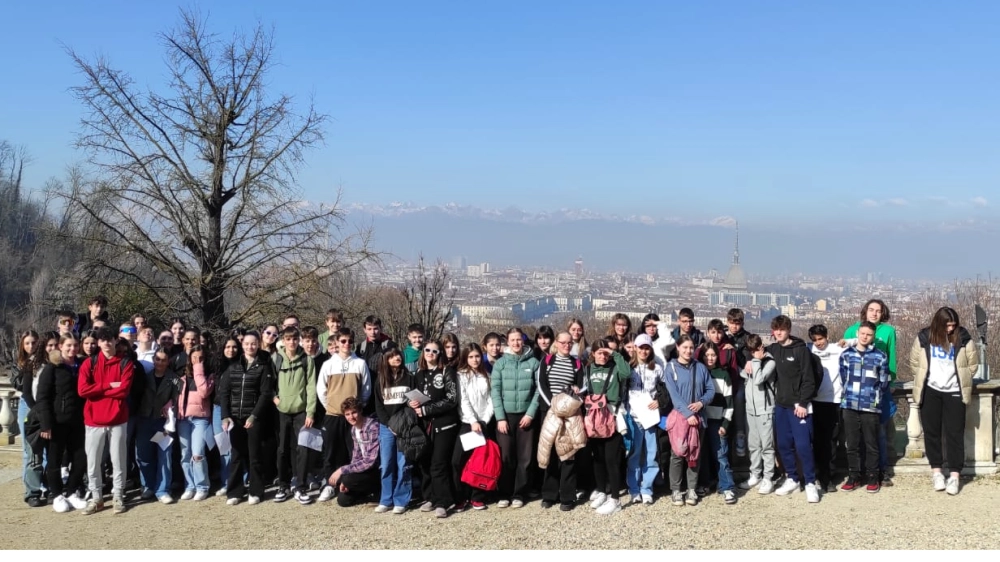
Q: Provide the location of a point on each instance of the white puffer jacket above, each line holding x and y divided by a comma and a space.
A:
477, 402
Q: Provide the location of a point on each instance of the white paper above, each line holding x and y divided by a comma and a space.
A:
170, 426
163, 440
472, 440
639, 402
420, 397
222, 440
312, 438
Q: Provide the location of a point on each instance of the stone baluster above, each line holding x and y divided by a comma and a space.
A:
8, 418
914, 431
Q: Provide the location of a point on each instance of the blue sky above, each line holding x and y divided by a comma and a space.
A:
848, 110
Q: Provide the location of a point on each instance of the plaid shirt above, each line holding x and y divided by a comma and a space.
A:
365, 455
865, 375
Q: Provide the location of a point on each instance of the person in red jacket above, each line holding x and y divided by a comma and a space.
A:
104, 383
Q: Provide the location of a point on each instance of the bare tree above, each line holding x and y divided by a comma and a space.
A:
196, 200
429, 299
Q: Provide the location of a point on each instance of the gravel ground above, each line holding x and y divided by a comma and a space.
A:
907, 516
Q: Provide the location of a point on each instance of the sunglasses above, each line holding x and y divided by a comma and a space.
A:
344, 341
270, 333
128, 330
432, 351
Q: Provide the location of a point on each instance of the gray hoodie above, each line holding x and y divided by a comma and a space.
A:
760, 386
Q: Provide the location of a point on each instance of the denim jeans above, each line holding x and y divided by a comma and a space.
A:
224, 459
31, 465
194, 434
397, 486
642, 465
155, 468
717, 457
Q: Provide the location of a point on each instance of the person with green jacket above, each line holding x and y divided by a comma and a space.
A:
295, 399
607, 374
515, 402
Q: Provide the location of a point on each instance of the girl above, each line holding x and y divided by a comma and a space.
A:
155, 464
269, 341
190, 339
476, 415
576, 332
392, 383
720, 414
194, 424
230, 353
177, 327
606, 374
943, 359
691, 389
60, 411
642, 466
514, 395
440, 418
88, 345
246, 388
543, 342
621, 331
31, 359
649, 325
451, 346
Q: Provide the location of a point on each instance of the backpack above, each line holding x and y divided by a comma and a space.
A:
599, 420
482, 470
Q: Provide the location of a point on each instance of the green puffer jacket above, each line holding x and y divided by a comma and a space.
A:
513, 387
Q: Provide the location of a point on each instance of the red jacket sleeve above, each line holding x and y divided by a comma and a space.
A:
122, 391
85, 385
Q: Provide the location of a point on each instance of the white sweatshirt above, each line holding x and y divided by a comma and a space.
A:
831, 390
477, 401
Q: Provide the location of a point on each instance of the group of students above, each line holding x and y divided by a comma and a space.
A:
627, 411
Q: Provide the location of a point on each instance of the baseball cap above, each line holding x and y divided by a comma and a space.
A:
643, 339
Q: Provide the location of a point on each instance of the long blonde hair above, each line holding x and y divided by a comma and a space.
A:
582, 349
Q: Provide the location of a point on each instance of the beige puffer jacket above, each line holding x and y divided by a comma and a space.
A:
563, 427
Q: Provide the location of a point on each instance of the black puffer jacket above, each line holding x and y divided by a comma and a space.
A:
410, 438
57, 401
246, 390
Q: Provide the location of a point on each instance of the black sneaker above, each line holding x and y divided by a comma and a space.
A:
36, 501
281, 495
831, 487
886, 481
546, 504
566, 506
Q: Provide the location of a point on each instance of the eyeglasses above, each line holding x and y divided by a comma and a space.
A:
432, 351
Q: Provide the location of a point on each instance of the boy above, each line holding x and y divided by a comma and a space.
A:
493, 346
127, 332
360, 478
826, 406
795, 388
685, 325
295, 398
376, 343
729, 359
66, 323
344, 376
864, 372
411, 355
737, 336
759, 399
334, 320
311, 345
97, 310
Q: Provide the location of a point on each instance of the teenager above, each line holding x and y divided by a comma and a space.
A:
864, 375
194, 424
719, 414
493, 344
576, 331
177, 328
943, 359
104, 382
642, 467
231, 350
189, 339
685, 327
440, 418
97, 312
344, 375
476, 413
334, 321
606, 375
795, 389
269, 335
60, 414
758, 378
620, 330
374, 345
159, 394
544, 337
245, 389
691, 389
31, 359
451, 347
557, 373
391, 385
415, 339
145, 348
826, 406
514, 395
295, 399
358, 479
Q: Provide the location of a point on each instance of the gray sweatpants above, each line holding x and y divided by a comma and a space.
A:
679, 472
95, 441
760, 441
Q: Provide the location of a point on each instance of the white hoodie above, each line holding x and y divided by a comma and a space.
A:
832, 389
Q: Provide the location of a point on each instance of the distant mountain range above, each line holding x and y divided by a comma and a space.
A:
610, 242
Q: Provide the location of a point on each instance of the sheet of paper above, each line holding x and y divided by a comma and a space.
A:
312, 438
420, 397
163, 440
222, 440
639, 403
472, 440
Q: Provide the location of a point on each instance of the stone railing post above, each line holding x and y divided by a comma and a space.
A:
8, 418
914, 431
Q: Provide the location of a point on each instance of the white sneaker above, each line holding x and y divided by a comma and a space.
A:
76, 501
766, 487
952, 486
598, 500
221, 492
327, 494
593, 495
503, 503
253, 500
232, 501
187, 495
60, 505
939, 482
647, 499
753, 481
787, 488
517, 503
399, 510
382, 508
812, 493
636, 499
609, 507
200, 496
166, 499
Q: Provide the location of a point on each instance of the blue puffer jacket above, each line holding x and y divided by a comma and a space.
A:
512, 385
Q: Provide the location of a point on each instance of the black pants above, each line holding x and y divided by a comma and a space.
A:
464, 492
826, 429
338, 443
268, 442
360, 485
517, 448
246, 454
290, 455
560, 480
858, 427
66, 445
945, 412
438, 484
607, 454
